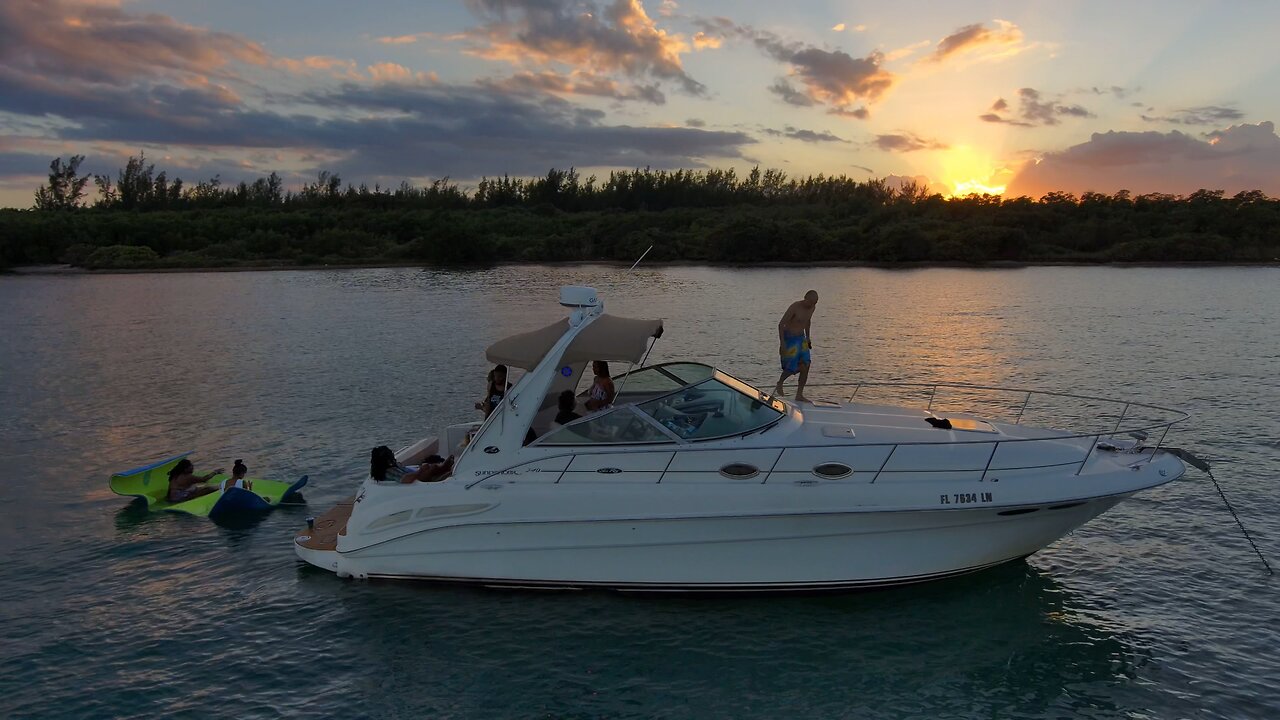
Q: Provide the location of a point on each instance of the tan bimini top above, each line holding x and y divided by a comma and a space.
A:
609, 338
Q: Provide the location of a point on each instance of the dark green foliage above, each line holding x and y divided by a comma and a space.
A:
65, 188
115, 257
145, 219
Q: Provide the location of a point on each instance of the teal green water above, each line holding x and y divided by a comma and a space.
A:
1155, 610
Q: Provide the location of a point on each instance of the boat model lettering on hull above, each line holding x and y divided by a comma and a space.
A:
694, 480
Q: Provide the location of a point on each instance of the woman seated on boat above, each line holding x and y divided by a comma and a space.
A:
383, 467
184, 484
601, 393
496, 390
237, 479
568, 404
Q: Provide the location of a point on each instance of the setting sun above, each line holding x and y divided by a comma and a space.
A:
974, 187
965, 171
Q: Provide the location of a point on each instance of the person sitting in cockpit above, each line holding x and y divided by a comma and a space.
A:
568, 404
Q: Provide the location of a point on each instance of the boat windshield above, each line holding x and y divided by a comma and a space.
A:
619, 426
718, 406
714, 408
649, 381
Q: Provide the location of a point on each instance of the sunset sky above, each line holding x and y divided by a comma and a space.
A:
1023, 97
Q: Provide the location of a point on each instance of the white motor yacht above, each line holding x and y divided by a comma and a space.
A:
694, 480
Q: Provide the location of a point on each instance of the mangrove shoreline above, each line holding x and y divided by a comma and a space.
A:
143, 221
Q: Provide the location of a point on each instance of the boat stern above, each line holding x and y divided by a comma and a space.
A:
317, 543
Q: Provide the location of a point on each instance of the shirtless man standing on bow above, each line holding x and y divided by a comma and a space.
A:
794, 342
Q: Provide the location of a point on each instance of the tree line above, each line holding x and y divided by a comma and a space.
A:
142, 218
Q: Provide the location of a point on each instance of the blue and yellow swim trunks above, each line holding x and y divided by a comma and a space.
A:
795, 352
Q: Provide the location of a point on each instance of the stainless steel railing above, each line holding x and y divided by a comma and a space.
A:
1141, 430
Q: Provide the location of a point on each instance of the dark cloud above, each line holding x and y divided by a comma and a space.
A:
1004, 37
906, 142
1203, 115
1116, 91
23, 164
617, 36
832, 78
466, 132
809, 136
858, 113
789, 94
1242, 157
1033, 110
395, 123
695, 123
575, 83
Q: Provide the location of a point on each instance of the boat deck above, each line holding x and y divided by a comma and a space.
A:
324, 536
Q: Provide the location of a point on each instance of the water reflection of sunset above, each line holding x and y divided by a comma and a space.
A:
314, 368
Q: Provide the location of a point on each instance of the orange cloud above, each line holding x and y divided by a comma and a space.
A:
405, 39
336, 67
389, 72
906, 51
620, 38
703, 41
832, 78
100, 42
1000, 41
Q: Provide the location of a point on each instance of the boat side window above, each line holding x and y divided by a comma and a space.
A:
617, 426
711, 409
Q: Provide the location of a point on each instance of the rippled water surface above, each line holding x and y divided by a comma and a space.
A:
1155, 610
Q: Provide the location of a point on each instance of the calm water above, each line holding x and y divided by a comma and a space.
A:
1156, 610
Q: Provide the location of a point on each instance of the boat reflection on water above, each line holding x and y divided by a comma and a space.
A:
1010, 641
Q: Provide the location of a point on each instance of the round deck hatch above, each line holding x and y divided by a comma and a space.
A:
833, 471
739, 471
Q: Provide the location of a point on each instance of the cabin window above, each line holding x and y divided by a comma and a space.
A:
389, 520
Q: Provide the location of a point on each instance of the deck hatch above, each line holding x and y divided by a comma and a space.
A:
739, 471
833, 471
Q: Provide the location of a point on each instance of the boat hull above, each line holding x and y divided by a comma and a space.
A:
747, 553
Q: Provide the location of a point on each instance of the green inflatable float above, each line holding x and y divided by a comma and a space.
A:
151, 483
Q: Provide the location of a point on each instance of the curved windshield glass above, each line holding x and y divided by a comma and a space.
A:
714, 408
616, 426
662, 378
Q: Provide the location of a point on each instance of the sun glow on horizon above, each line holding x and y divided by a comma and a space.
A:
965, 171
964, 188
